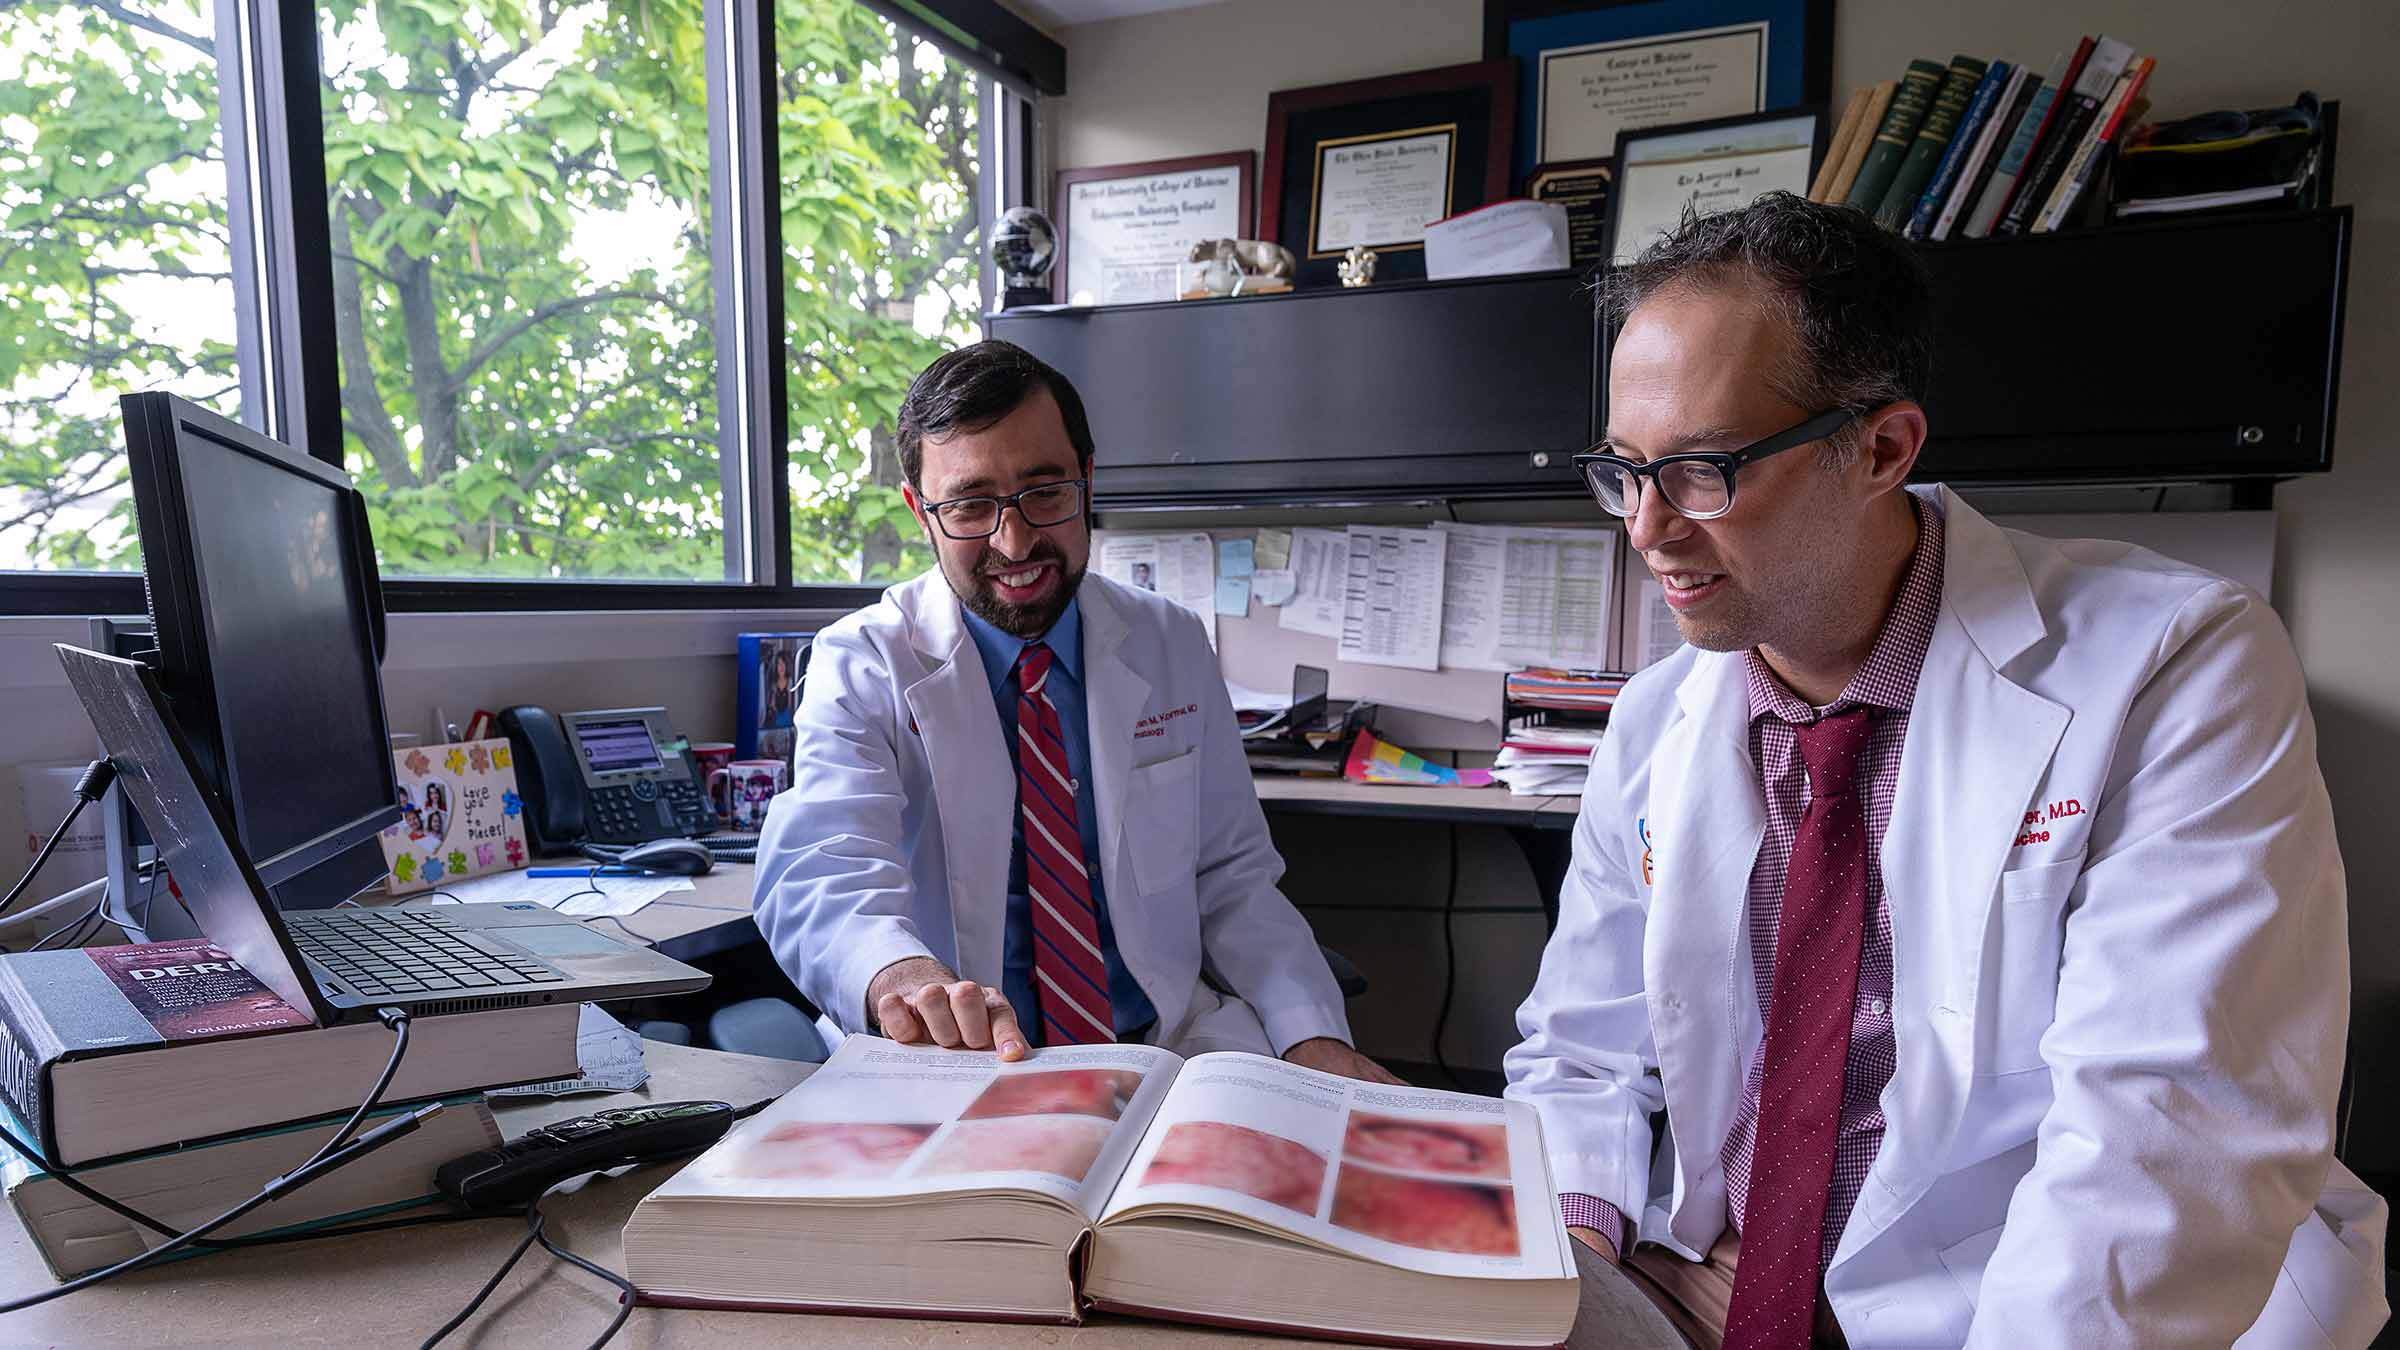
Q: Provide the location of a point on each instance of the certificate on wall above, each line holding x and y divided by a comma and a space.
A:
1123, 228
1589, 93
1703, 169
1380, 190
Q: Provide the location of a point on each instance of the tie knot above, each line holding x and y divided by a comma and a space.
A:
1033, 667
1829, 747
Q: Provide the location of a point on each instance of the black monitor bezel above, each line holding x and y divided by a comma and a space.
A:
156, 426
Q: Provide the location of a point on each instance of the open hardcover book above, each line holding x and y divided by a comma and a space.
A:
1229, 1188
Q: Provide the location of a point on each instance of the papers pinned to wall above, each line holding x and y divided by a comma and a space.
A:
1392, 597
1181, 567
1320, 566
1519, 596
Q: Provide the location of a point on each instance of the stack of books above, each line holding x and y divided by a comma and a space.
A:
165, 1076
1565, 690
1976, 148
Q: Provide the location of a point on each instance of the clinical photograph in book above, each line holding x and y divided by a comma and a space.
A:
802, 1150
1084, 1092
1267, 1167
1429, 1213
1062, 1146
1455, 1148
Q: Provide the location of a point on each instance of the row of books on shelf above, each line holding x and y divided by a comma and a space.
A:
1986, 148
165, 1076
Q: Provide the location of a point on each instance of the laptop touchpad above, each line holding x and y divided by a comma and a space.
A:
561, 939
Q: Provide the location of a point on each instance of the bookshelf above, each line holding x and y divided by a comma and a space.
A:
2206, 349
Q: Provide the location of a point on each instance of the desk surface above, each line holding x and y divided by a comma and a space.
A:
1294, 795
394, 1288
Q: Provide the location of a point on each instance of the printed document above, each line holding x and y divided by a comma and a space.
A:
1392, 597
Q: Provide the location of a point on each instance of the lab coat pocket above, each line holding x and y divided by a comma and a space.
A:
2022, 989
1162, 809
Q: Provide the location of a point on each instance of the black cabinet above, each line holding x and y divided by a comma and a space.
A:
2197, 349
1416, 389
2183, 350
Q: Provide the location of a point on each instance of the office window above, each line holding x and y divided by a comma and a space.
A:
115, 259
878, 135
523, 303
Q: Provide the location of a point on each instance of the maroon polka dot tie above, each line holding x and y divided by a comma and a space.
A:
1809, 1015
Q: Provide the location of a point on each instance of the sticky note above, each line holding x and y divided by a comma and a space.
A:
1233, 596
1233, 557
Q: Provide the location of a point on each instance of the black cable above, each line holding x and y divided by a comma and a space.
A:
267, 1194
397, 1020
74, 926
533, 1232
97, 775
625, 1295
1441, 1021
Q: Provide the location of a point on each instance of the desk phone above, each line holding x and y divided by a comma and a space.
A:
616, 776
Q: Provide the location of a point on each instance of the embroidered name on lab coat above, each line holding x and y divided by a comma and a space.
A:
1157, 725
2035, 828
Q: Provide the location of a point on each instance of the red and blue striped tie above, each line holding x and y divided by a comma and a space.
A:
1068, 972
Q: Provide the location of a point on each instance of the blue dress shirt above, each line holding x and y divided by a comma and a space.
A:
1129, 1007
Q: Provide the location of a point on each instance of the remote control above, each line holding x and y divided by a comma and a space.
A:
519, 1171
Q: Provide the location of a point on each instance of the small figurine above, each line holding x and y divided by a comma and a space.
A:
1242, 266
1357, 267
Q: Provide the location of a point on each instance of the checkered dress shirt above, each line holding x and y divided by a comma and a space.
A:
1888, 681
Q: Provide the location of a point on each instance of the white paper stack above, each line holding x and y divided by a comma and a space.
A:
1546, 761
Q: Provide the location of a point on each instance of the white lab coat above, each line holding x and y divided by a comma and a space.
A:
2120, 972
894, 839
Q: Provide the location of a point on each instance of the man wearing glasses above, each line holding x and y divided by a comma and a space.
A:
1020, 814
1968, 903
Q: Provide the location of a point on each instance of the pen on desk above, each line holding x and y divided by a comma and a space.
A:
580, 872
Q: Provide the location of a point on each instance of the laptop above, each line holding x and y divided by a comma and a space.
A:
343, 964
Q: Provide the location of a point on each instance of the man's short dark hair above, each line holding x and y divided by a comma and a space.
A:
1856, 298
974, 387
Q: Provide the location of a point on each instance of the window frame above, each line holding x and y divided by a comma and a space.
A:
269, 76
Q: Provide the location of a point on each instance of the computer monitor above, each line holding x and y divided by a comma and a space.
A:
267, 614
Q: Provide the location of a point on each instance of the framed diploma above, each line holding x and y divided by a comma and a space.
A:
1373, 162
1122, 228
1588, 69
1706, 167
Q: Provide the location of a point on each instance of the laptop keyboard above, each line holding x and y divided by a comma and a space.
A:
410, 951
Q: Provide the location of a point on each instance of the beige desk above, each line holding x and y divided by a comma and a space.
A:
392, 1289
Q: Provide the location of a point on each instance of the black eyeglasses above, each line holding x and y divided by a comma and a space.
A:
1698, 485
1042, 506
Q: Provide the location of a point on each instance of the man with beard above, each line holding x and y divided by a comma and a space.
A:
1020, 814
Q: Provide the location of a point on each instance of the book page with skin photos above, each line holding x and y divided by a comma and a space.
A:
883, 1120
1438, 1182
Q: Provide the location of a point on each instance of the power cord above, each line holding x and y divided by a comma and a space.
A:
535, 1222
97, 775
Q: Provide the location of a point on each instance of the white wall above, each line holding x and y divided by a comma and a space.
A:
1196, 81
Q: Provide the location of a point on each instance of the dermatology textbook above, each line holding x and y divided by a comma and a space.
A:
1229, 1189
111, 1051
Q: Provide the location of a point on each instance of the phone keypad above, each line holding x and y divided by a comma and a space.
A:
648, 808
